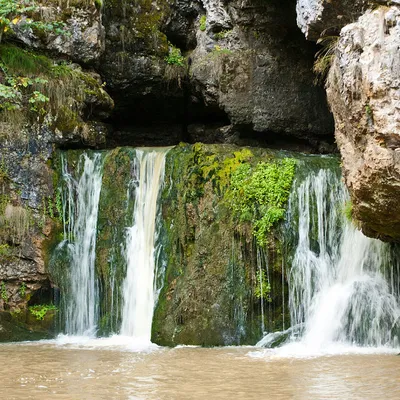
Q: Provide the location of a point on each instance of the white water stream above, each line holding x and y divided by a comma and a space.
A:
338, 291
139, 291
81, 204
82, 307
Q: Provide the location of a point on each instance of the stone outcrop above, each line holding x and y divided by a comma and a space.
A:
364, 93
319, 17
80, 36
247, 68
252, 63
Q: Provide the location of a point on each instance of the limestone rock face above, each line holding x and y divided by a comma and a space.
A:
364, 93
317, 16
253, 63
83, 37
217, 14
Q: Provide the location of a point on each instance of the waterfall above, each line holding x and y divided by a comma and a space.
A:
139, 288
339, 289
337, 286
80, 208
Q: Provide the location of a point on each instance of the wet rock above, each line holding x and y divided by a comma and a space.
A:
363, 91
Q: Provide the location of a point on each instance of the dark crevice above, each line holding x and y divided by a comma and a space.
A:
44, 295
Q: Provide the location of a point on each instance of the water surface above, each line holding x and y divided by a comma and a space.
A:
101, 371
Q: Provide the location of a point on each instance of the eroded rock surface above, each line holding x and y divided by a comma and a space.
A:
83, 33
364, 93
252, 62
318, 17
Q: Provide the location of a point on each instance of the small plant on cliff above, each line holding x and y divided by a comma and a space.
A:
348, 210
22, 290
4, 250
40, 311
175, 56
175, 71
58, 204
262, 289
324, 57
3, 291
203, 21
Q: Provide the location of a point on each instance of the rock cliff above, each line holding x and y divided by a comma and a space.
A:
363, 90
361, 40
97, 74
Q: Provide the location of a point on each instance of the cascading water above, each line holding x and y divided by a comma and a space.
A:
81, 208
139, 291
338, 291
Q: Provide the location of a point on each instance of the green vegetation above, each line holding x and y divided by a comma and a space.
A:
175, 56
3, 292
176, 70
35, 89
259, 194
255, 194
4, 250
222, 34
348, 210
40, 311
11, 12
218, 50
324, 57
58, 204
22, 290
219, 172
262, 289
203, 21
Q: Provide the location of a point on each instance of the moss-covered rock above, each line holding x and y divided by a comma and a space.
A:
20, 326
115, 215
211, 293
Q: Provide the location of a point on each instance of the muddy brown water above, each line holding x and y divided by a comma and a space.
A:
51, 371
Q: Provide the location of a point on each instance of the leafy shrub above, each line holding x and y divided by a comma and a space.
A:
258, 194
175, 56
203, 21
40, 311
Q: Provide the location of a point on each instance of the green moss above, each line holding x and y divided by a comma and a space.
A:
40, 89
141, 25
5, 251
203, 23
66, 120
222, 35
115, 214
210, 285
18, 61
